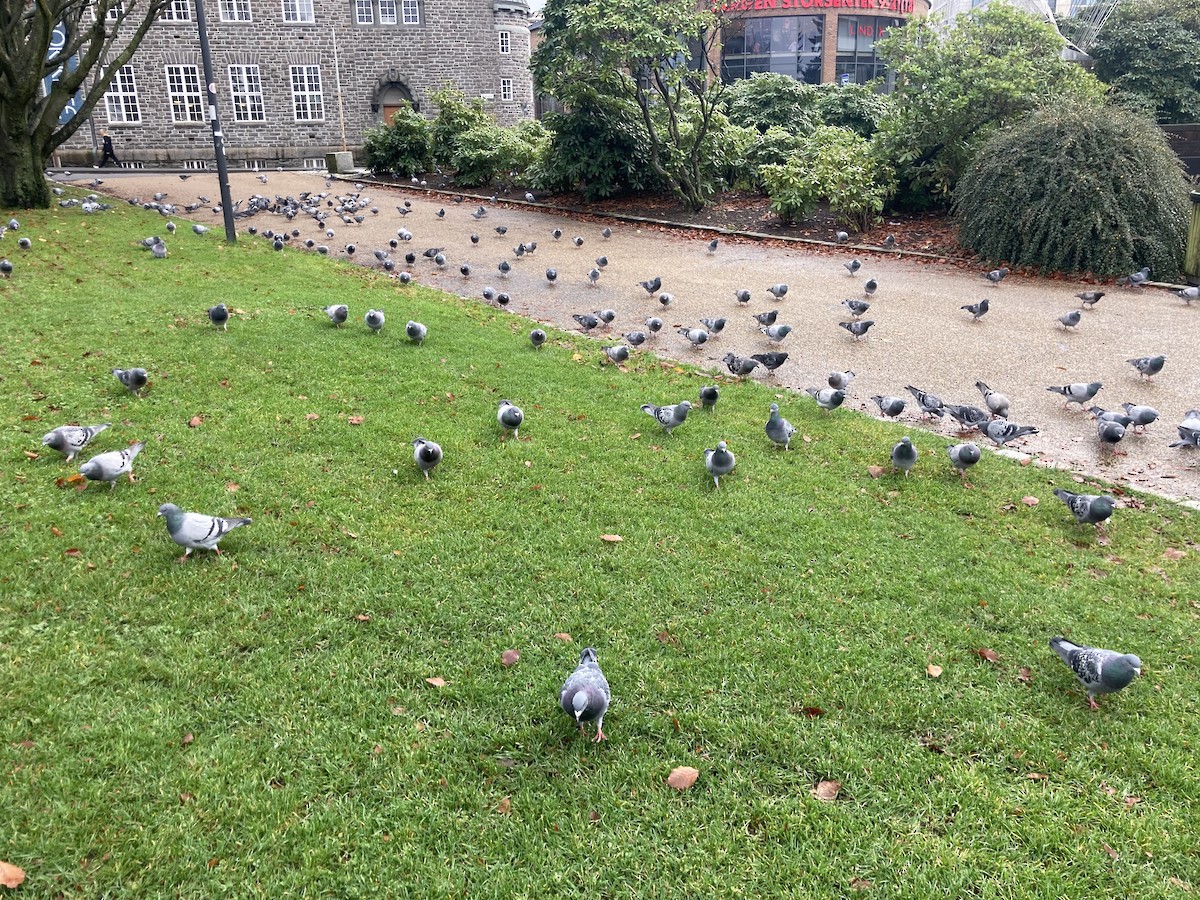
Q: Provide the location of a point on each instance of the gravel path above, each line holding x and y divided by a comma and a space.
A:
921, 337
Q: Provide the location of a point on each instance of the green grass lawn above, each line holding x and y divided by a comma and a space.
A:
260, 724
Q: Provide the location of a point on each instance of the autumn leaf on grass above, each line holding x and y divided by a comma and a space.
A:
611, 538
311, 417
1173, 553
875, 471
1030, 501
355, 420
29, 454
11, 876
827, 790
933, 671
682, 777
504, 807
195, 421
436, 681
510, 657
985, 653
1025, 674
564, 637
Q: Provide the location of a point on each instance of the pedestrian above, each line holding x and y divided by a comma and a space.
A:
107, 149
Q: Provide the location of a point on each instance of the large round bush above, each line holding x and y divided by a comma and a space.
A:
1088, 188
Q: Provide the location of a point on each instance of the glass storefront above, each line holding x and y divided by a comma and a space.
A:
789, 45
856, 47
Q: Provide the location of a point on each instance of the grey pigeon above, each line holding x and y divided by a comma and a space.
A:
605, 315
827, 398
968, 416
778, 291
742, 295
1136, 279
709, 394
196, 531
931, 404
1147, 366
6, 267
617, 355
374, 319
489, 293
1140, 415
426, 454
112, 465
904, 455
996, 275
840, 380
669, 417
770, 360
502, 299
977, 310
1070, 319
338, 313
719, 461
870, 286
510, 417
70, 439
219, 316
1188, 294
416, 331
996, 402
1077, 392
556, 233
585, 694
1109, 432
654, 324
606, 233
696, 336
963, 456
1000, 432
665, 298
739, 365
537, 337
593, 276
133, 379
1088, 509
465, 270
635, 338
586, 322
766, 318
200, 229
1189, 430
1099, 671
776, 332
577, 241
551, 276
712, 245
601, 262
888, 405
504, 268
651, 285
713, 324
890, 241
853, 266
1090, 298
858, 327
779, 429
1110, 415
856, 307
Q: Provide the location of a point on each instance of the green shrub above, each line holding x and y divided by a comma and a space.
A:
598, 148
400, 147
772, 148
858, 107
456, 115
832, 165
1077, 189
487, 152
771, 100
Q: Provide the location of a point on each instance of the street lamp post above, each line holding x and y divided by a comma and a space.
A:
210, 88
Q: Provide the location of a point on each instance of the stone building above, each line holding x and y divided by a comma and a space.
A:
297, 79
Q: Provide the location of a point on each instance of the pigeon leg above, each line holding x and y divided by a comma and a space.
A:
1092, 704
427, 476
599, 734
186, 554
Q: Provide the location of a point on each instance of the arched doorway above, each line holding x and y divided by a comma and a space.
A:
390, 97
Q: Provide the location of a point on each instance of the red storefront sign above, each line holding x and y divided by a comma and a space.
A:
897, 7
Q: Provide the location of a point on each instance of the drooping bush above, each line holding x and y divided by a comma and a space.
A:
487, 152
772, 148
401, 146
858, 107
771, 100
598, 148
1077, 189
832, 165
456, 115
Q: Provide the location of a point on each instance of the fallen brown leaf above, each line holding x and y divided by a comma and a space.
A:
933, 671
827, 790
1037, 776
195, 421
1131, 802
232, 486
875, 471
74, 552
1030, 501
11, 876
682, 777
1173, 553
187, 739
1025, 674
1113, 854
355, 420
593, 816
312, 417
564, 637
504, 807
76, 478
859, 884
362, 617
29, 454
54, 530
985, 653
813, 712
436, 681
611, 538
510, 657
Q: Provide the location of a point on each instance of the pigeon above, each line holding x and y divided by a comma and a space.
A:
712, 247
654, 324
668, 417
856, 307
1189, 430
696, 336
416, 331
219, 316
196, 531
200, 229
501, 230
441, 213
617, 354
510, 417
742, 295
888, 405
159, 250
963, 456
740, 366
1110, 432
586, 322
585, 694
374, 319
1187, 294
766, 318
1070, 319
858, 327
968, 416
556, 233
931, 404
405, 277
713, 324
577, 241
904, 455
601, 261
465, 270
779, 429
528, 197
652, 285
551, 276
1000, 431
1099, 671
890, 241
504, 268
870, 286
474, 239
6, 267
1147, 366
1090, 298
635, 338
605, 315
840, 380
426, 454
1140, 415
778, 291
1109, 415
606, 233
665, 298
977, 310
771, 360
709, 394
70, 439
996, 275
1077, 392
439, 260
502, 299
537, 337
112, 465
996, 402
1136, 279
841, 237
853, 266
133, 379
827, 398
719, 461
593, 276
776, 332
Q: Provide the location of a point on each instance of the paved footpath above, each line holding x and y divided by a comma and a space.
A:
920, 337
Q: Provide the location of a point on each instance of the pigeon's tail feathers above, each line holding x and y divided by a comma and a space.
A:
650, 409
134, 449
1063, 648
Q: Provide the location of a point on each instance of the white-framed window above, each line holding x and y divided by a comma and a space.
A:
307, 101
121, 100
298, 11
506, 89
245, 89
410, 12
364, 13
235, 10
387, 12
176, 11
505, 39
115, 11
183, 88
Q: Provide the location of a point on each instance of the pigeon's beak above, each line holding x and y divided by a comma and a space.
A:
1137, 671
157, 514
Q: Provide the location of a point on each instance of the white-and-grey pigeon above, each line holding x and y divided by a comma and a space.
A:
1147, 366
585, 694
1001, 431
776, 332
338, 313
930, 404
840, 380
669, 417
510, 417
196, 531
1070, 319
719, 461
888, 405
997, 403
133, 379
740, 365
977, 310
426, 454
537, 337
70, 439
1099, 671
1140, 414
112, 465
827, 398
779, 429
1090, 298
374, 319
963, 456
1088, 509
415, 331
858, 328
1077, 392
904, 455
617, 354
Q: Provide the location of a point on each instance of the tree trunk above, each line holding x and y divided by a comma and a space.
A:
22, 175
